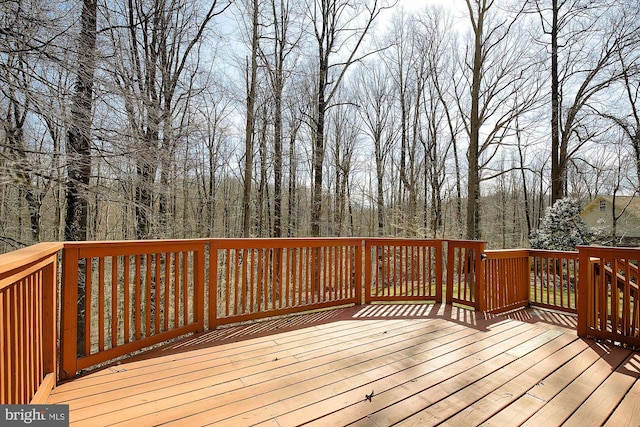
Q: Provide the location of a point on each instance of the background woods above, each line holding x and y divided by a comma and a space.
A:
142, 119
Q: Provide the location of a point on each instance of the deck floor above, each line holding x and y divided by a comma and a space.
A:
375, 365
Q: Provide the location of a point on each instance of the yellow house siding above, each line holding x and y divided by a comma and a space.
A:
628, 225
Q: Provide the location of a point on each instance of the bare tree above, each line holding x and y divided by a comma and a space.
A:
35, 71
440, 137
282, 29
584, 40
375, 102
496, 66
339, 29
249, 135
211, 134
343, 130
295, 119
408, 72
24, 157
79, 134
626, 114
158, 45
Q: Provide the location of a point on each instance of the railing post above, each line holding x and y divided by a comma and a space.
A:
69, 307
213, 284
526, 279
481, 298
49, 317
360, 279
584, 287
439, 266
450, 269
198, 291
367, 271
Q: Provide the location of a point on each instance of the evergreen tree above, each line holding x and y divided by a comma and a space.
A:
562, 228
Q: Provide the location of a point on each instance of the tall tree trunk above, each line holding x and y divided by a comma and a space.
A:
280, 43
79, 149
263, 193
525, 190
250, 123
318, 151
557, 169
379, 183
473, 176
292, 202
328, 25
277, 164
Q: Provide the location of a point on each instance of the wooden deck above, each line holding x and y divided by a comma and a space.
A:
374, 365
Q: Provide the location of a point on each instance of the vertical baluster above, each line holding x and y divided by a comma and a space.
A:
127, 297
213, 287
237, 285
88, 298
166, 295
114, 301
295, 283
176, 287
157, 302
4, 359
260, 281
101, 303
252, 280
138, 296
227, 276
147, 295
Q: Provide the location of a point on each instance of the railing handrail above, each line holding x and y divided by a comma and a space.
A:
12, 264
551, 252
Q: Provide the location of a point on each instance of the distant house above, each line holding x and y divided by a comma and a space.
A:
598, 216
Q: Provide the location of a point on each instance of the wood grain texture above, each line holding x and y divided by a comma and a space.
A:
372, 365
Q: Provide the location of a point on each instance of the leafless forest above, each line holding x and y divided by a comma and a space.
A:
147, 119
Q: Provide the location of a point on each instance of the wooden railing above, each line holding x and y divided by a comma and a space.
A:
136, 294
465, 272
403, 270
257, 278
511, 278
120, 297
554, 279
28, 327
609, 303
506, 279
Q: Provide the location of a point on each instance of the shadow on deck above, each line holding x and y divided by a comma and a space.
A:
371, 365
261, 328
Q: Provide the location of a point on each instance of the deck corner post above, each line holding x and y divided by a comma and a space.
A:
213, 284
526, 278
481, 297
50, 318
366, 284
69, 315
583, 286
360, 276
450, 269
439, 274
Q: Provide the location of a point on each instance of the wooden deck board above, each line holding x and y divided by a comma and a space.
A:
353, 389
462, 390
628, 411
425, 365
525, 405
